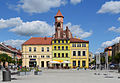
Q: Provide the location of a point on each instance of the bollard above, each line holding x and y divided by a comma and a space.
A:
6, 76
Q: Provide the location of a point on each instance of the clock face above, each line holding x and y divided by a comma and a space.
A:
59, 18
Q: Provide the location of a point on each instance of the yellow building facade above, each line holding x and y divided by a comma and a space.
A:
61, 52
79, 51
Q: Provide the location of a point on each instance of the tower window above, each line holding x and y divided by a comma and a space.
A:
58, 25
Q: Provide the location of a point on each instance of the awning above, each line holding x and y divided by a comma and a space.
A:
66, 62
54, 62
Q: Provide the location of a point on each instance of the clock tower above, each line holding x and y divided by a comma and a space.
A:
59, 24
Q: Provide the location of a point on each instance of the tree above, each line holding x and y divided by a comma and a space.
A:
117, 58
109, 58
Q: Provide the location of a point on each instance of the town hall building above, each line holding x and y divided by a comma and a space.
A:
61, 50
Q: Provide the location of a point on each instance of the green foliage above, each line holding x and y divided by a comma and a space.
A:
5, 58
24, 70
117, 58
109, 58
93, 62
37, 69
19, 62
102, 60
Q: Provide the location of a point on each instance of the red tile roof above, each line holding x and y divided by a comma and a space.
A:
76, 40
59, 14
39, 41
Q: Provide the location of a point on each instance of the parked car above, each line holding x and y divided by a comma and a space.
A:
113, 66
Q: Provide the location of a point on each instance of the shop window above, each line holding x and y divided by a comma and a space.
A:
74, 63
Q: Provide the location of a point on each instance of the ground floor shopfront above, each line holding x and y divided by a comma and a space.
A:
82, 63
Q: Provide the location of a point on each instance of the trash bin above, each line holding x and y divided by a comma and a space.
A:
119, 70
6, 76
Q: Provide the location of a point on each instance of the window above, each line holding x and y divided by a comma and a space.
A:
58, 25
66, 47
83, 45
62, 47
74, 53
42, 49
62, 41
84, 53
54, 47
47, 49
58, 47
62, 54
74, 63
48, 56
42, 56
34, 56
66, 41
79, 53
58, 54
30, 56
78, 63
73, 45
66, 54
34, 49
54, 41
30, 49
78, 45
58, 41
54, 54
83, 63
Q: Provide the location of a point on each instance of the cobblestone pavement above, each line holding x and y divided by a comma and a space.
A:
68, 76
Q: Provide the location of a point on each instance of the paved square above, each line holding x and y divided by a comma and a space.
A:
69, 76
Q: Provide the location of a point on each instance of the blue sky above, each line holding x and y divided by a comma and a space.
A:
94, 20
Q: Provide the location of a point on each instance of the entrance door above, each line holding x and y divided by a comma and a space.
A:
47, 63
32, 63
42, 63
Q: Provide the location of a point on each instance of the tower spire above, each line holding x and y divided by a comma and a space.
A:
59, 14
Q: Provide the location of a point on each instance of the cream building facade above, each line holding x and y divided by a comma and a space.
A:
37, 51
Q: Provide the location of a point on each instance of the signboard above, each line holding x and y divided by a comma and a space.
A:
98, 59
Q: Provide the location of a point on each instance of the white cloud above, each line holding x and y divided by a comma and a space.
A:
39, 6
110, 7
75, 1
119, 19
114, 29
108, 43
12, 22
78, 31
40, 28
14, 43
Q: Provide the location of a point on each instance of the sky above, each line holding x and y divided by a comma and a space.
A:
95, 20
